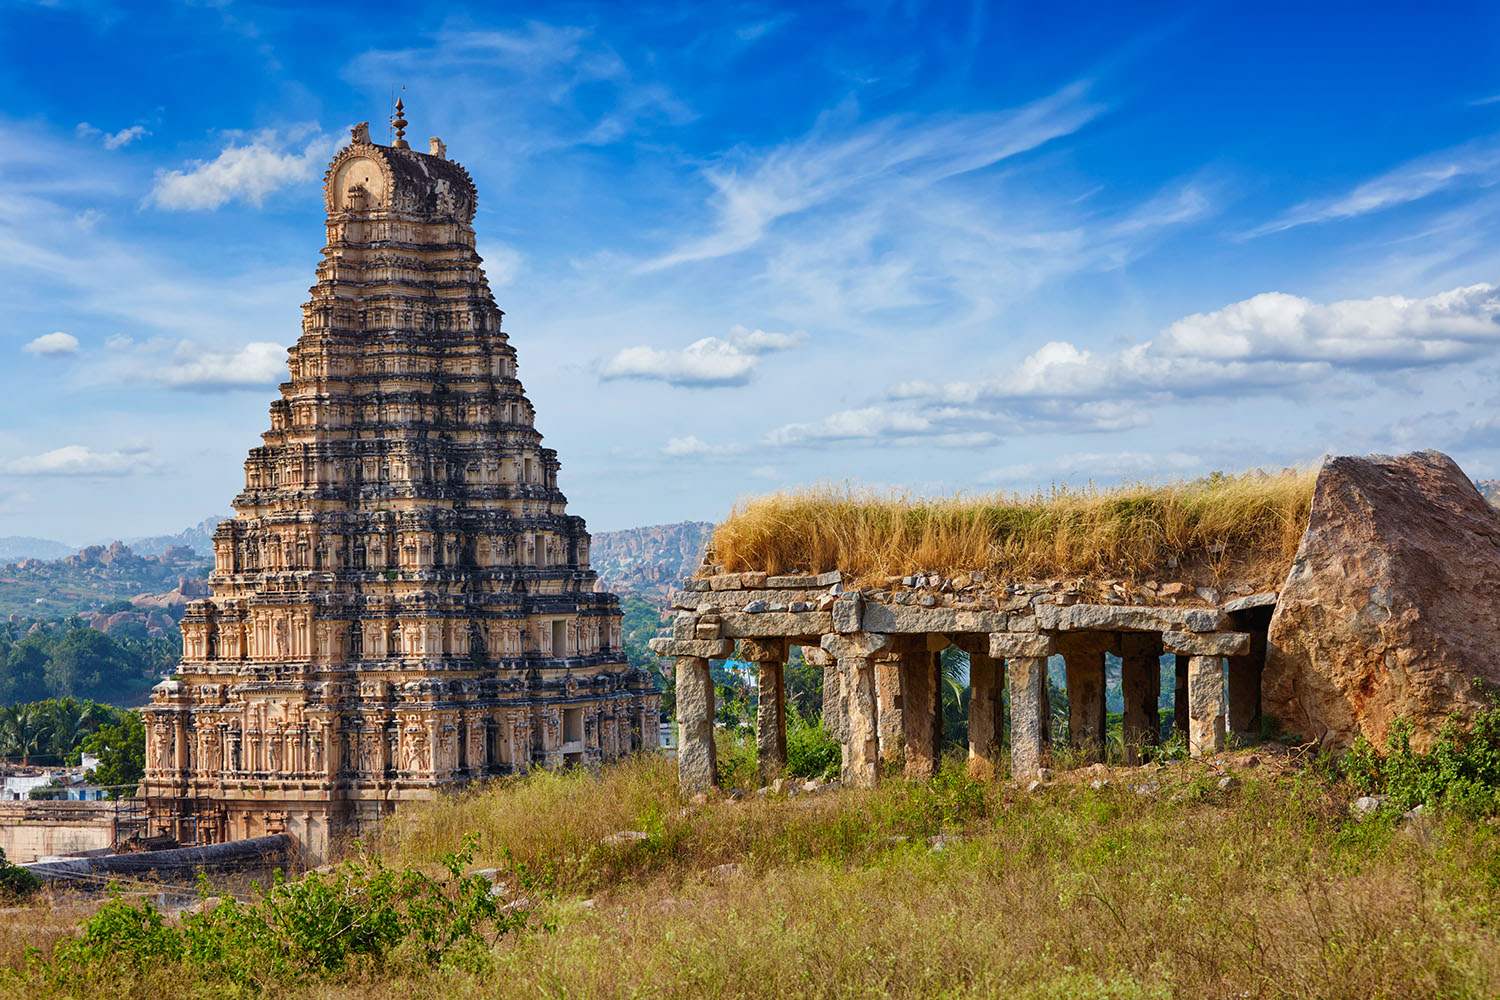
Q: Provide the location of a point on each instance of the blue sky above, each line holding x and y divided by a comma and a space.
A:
936, 246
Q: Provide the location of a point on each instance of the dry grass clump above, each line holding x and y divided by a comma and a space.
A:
1127, 532
1265, 890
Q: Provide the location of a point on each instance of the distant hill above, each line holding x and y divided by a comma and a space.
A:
199, 538
14, 547
110, 580
1489, 489
648, 562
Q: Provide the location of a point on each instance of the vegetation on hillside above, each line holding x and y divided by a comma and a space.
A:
73, 660
1128, 532
1167, 882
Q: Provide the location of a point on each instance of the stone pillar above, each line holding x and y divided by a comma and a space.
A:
769, 656
922, 710
855, 652
986, 713
697, 757
1244, 687
1180, 698
1205, 704
1140, 684
1086, 715
833, 692
892, 736
1025, 655
180, 747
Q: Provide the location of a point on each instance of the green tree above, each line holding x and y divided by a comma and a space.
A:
121, 749
23, 731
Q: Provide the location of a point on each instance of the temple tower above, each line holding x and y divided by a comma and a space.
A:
401, 602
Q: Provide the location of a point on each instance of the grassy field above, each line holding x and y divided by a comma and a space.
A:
1267, 888
1250, 524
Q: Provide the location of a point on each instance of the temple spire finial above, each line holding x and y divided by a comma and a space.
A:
400, 123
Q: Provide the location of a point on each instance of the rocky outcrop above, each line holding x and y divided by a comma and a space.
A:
1392, 606
647, 562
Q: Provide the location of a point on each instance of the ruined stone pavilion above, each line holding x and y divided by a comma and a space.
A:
401, 602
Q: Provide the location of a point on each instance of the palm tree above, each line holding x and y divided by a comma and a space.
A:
22, 729
68, 721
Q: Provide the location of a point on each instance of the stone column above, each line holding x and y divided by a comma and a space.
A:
833, 696
1205, 704
888, 692
986, 712
1025, 655
854, 653
697, 758
769, 656
921, 710
1244, 687
1205, 682
1140, 684
1086, 716
180, 748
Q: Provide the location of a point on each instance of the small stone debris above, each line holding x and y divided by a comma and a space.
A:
1044, 774
755, 607
1035, 786
735, 794
941, 842
624, 837
724, 872
1227, 782
493, 874
1367, 805
1099, 783
1149, 788
587, 904
519, 903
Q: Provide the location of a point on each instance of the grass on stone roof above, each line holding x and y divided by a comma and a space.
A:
1128, 532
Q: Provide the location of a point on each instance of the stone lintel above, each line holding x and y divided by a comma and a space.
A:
1008, 645
707, 649
914, 619
791, 582
1253, 601
684, 626
763, 650
1127, 618
734, 600
1211, 644
775, 624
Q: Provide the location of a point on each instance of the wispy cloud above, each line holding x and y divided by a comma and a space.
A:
839, 159
1476, 163
706, 363
81, 460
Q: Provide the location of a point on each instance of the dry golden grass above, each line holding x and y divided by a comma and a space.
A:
1252, 520
1266, 890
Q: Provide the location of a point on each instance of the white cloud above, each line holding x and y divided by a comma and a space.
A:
1411, 181
84, 130
691, 447
252, 366
710, 362
118, 342
125, 136
80, 460
52, 345
248, 171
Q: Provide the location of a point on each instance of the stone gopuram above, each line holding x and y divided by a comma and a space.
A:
401, 603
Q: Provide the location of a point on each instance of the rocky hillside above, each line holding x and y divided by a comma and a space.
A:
648, 562
110, 581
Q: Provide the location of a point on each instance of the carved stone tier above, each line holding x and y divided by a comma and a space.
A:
402, 602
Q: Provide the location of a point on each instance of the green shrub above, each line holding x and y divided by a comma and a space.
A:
1460, 772
811, 750
317, 926
15, 881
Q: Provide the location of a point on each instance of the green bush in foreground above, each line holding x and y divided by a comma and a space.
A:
322, 925
15, 881
1460, 772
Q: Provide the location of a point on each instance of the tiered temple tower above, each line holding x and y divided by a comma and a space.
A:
401, 602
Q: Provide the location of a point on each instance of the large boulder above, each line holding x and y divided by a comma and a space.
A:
1392, 606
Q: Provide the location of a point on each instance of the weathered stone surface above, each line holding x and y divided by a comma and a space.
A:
1086, 712
763, 650
752, 580
897, 619
921, 712
834, 710
1205, 696
830, 578
714, 649
697, 758
770, 714
696, 584
857, 681
685, 627
1251, 601
846, 613
986, 713
792, 582
724, 581
1392, 606
1005, 645
1127, 618
1206, 643
1140, 688
684, 600
890, 732
1029, 715
788, 624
